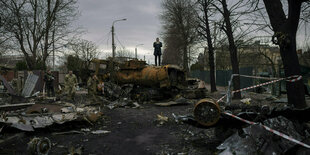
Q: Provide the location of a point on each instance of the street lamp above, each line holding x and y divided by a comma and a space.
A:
136, 50
113, 44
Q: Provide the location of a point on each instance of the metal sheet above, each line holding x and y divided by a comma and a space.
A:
29, 85
30, 122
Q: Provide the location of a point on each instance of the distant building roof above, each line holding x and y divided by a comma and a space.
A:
10, 61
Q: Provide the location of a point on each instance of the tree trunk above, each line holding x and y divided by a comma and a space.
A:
185, 58
212, 71
232, 49
47, 29
30, 62
210, 51
295, 90
285, 31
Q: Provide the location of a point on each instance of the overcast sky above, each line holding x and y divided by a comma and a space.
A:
141, 27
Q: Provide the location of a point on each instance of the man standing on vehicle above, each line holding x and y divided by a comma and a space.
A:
157, 51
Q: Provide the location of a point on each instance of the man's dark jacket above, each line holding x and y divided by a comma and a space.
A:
157, 48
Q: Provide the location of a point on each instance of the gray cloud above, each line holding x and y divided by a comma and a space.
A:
142, 25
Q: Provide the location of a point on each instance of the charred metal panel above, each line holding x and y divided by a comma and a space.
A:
137, 72
133, 64
164, 76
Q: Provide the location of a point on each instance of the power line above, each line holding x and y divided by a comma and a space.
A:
108, 40
119, 42
102, 38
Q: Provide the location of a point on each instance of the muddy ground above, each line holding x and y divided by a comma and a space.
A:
132, 131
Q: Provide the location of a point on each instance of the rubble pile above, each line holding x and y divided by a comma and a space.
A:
43, 115
136, 115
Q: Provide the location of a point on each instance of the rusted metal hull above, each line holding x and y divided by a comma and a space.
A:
164, 76
139, 73
207, 112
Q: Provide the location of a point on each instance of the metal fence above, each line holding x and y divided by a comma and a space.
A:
223, 76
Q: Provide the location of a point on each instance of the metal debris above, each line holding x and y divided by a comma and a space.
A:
162, 119
207, 112
67, 109
30, 83
97, 132
85, 129
93, 116
180, 101
44, 108
43, 115
39, 146
164, 76
136, 105
7, 85
166, 104
75, 151
246, 101
112, 91
255, 139
183, 118
29, 122
68, 132
194, 93
123, 102
19, 105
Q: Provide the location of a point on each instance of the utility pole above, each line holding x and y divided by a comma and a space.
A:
136, 50
136, 53
113, 47
113, 44
113, 33
189, 58
53, 49
53, 38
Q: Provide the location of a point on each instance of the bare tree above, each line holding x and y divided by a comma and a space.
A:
125, 53
37, 25
223, 58
84, 50
172, 48
4, 36
305, 58
179, 20
285, 26
232, 15
204, 30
